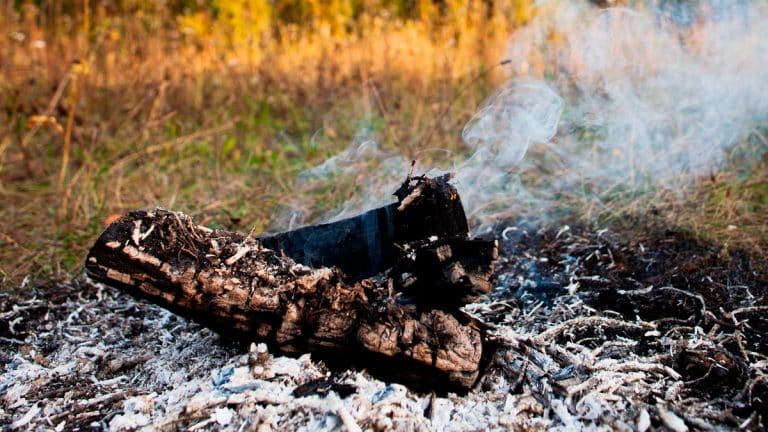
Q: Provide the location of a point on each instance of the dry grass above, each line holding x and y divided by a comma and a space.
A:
139, 114
730, 208
113, 113
727, 207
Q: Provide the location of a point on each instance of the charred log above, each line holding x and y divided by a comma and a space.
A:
365, 245
234, 284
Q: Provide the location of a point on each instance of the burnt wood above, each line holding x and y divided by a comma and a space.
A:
367, 244
236, 285
446, 272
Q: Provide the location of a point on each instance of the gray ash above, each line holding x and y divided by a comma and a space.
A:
593, 330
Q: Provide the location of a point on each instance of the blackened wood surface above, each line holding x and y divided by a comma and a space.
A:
234, 284
365, 245
447, 272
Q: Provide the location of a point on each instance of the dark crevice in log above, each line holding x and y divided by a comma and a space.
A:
445, 273
236, 285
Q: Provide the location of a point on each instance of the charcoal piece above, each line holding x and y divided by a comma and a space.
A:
445, 272
322, 386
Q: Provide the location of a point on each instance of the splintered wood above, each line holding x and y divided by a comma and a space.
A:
234, 284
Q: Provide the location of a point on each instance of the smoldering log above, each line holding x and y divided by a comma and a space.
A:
367, 244
236, 285
445, 272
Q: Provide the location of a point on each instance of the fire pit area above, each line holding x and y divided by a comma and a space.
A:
633, 329
229, 243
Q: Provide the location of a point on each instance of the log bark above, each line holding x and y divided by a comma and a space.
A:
236, 285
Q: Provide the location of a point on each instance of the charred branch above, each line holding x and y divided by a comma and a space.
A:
238, 286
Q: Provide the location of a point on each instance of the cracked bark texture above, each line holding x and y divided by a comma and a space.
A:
235, 285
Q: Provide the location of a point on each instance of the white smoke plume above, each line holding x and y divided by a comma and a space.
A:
654, 96
523, 113
621, 100
373, 174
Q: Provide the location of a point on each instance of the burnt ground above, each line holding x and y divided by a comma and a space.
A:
635, 330
708, 307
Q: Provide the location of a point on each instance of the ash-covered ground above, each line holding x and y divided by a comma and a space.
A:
593, 330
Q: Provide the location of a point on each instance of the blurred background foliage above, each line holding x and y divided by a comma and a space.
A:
214, 107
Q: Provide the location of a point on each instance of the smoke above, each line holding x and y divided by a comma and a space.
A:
655, 96
601, 102
364, 175
523, 113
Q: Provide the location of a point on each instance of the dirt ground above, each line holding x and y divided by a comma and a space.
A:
645, 329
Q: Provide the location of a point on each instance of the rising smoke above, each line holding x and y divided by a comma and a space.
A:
621, 100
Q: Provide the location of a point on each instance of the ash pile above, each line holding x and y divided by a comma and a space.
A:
553, 327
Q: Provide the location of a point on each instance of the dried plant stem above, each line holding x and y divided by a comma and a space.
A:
68, 133
48, 110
